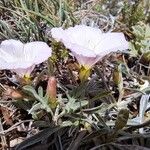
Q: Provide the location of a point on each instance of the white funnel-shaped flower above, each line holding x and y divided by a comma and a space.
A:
89, 44
22, 58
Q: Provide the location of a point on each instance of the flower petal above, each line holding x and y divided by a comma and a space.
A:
7, 57
79, 49
3, 63
87, 62
57, 34
14, 65
21, 68
13, 48
24, 71
111, 42
80, 35
37, 52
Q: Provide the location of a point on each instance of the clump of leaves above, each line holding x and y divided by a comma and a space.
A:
141, 43
27, 20
135, 11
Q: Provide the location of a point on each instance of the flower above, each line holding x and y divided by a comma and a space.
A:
22, 58
89, 44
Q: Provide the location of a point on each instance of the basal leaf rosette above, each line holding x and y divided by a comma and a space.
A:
22, 58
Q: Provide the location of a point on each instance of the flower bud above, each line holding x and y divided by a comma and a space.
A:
117, 76
122, 119
52, 91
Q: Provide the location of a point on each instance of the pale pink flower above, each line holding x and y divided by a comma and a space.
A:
89, 44
22, 58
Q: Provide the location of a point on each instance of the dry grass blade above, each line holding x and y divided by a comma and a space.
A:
3, 138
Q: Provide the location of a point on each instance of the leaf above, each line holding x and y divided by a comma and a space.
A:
147, 31
36, 6
114, 146
101, 95
45, 17
133, 51
66, 123
40, 137
138, 30
143, 106
72, 105
122, 119
42, 100
40, 92
76, 143
118, 80
61, 13
79, 91
42, 124
124, 103
34, 108
26, 105
95, 134
99, 109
